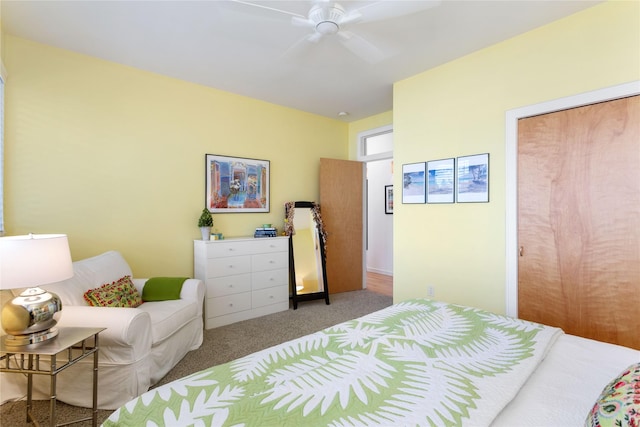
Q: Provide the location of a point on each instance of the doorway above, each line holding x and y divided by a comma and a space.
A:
375, 149
379, 224
345, 210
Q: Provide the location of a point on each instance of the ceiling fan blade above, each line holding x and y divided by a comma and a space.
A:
351, 17
301, 45
382, 10
265, 7
302, 22
360, 47
314, 37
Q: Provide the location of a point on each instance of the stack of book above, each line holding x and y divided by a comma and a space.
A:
265, 232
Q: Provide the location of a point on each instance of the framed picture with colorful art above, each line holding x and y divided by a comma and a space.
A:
388, 199
236, 184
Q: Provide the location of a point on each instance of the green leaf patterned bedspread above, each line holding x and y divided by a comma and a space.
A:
418, 363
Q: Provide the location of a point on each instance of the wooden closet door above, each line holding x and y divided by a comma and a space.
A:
342, 208
579, 220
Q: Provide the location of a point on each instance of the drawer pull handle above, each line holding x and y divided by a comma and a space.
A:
271, 296
271, 279
272, 262
231, 286
230, 304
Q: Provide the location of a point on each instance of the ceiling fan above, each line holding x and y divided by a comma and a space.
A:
327, 18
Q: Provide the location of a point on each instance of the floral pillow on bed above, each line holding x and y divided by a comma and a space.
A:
619, 403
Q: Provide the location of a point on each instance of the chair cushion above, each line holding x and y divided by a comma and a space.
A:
120, 293
167, 317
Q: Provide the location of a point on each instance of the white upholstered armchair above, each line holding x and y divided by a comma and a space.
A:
139, 346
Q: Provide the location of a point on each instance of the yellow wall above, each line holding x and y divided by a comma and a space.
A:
114, 156
1, 35
459, 109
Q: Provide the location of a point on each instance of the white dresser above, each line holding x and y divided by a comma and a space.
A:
245, 277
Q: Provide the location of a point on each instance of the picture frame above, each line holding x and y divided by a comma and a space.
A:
441, 181
236, 184
388, 199
472, 178
413, 183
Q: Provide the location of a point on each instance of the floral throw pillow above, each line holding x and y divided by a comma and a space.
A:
619, 403
121, 293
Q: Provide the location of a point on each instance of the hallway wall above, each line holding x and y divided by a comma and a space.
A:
380, 225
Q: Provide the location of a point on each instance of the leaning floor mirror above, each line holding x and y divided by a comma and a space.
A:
307, 246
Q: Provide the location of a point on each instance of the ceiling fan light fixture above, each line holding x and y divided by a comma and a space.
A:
327, 28
327, 18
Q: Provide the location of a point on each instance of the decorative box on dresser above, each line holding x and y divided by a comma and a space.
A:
245, 277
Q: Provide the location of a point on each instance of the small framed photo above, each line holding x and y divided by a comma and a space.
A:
441, 181
473, 179
413, 183
236, 184
388, 199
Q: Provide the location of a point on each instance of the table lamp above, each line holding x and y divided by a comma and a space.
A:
27, 262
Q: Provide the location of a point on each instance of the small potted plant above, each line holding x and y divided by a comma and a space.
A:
205, 222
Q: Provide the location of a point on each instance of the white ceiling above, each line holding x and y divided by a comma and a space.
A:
248, 50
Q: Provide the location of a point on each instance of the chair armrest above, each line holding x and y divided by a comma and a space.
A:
128, 334
192, 289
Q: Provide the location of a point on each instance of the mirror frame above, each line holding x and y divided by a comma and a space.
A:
289, 231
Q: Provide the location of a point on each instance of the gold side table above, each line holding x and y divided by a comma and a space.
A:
77, 343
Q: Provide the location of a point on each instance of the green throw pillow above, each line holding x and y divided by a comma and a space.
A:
162, 288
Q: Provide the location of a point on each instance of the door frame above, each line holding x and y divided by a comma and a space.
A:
511, 170
361, 156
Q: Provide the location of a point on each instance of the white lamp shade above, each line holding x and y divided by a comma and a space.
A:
33, 260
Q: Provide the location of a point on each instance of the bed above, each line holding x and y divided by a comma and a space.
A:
419, 362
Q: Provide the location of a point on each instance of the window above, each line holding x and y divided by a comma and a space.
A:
375, 144
378, 144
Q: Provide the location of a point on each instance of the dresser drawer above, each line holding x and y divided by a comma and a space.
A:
228, 285
271, 261
228, 304
269, 296
271, 245
268, 279
218, 267
219, 249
